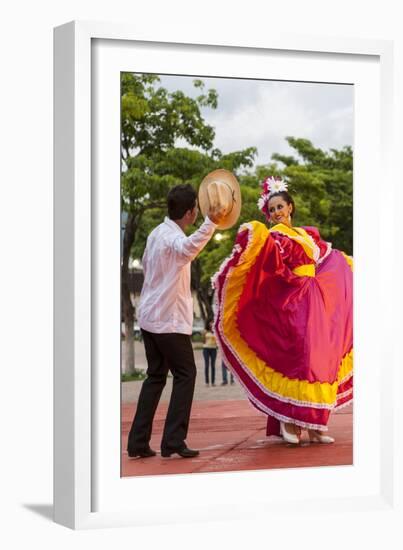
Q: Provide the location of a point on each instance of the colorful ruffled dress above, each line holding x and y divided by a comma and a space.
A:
284, 323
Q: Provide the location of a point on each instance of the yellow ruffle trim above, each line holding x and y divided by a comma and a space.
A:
300, 391
346, 367
349, 260
299, 235
305, 270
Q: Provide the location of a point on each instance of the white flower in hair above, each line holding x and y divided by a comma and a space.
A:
276, 185
262, 201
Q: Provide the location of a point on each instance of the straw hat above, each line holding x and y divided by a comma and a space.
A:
221, 187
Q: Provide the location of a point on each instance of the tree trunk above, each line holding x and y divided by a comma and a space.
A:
129, 363
204, 298
127, 306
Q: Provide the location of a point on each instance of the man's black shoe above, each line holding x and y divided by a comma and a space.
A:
184, 453
143, 453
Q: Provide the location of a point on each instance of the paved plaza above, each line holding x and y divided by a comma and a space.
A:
229, 432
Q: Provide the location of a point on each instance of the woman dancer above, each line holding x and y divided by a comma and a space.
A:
284, 319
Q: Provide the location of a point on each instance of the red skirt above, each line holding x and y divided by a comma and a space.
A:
287, 338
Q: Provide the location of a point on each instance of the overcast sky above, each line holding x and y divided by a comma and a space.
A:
262, 113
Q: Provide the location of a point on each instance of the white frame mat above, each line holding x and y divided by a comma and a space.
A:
88, 490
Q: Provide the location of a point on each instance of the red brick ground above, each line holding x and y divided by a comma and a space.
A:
231, 437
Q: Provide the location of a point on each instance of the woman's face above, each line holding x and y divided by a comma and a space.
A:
280, 211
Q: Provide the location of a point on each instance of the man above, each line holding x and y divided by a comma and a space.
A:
165, 316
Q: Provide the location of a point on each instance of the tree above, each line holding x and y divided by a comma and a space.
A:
152, 120
322, 183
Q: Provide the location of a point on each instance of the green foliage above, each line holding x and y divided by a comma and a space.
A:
136, 375
322, 185
153, 120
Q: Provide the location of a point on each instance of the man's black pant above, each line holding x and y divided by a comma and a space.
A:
165, 352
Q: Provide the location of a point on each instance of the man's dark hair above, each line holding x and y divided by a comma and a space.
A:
181, 198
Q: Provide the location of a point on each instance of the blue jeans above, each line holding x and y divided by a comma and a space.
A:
225, 374
210, 355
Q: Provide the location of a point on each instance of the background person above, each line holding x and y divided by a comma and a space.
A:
209, 354
224, 370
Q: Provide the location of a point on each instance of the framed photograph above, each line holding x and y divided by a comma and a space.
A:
94, 484
240, 124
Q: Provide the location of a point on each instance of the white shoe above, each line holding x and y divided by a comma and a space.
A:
287, 436
318, 437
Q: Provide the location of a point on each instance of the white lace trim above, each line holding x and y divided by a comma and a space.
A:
244, 226
347, 377
221, 269
339, 407
236, 248
344, 394
326, 254
315, 247
278, 416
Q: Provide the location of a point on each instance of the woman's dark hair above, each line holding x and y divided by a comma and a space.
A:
207, 323
285, 196
181, 198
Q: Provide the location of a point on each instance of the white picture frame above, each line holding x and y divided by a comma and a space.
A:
87, 490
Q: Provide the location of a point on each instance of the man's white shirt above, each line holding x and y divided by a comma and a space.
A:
166, 303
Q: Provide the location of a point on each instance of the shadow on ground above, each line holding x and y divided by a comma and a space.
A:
43, 510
